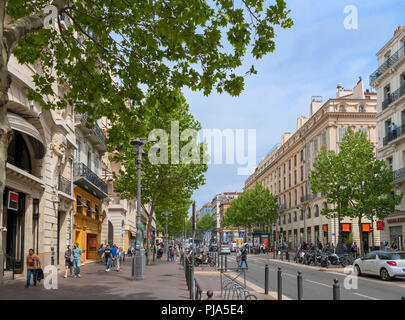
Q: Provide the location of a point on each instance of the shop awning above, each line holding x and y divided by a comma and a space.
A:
18, 123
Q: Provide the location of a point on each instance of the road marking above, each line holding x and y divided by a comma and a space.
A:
322, 284
364, 296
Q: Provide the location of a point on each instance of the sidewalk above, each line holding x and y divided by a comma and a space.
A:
164, 281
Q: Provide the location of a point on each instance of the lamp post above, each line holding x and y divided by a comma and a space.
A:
138, 261
166, 214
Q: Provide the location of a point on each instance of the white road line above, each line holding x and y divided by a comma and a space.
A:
322, 284
364, 296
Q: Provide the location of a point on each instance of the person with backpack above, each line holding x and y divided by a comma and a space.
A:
68, 261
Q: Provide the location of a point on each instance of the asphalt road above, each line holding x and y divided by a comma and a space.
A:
318, 285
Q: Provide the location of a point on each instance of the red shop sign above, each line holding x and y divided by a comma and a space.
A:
380, 225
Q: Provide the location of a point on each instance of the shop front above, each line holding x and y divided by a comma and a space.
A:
87, 223
396, 236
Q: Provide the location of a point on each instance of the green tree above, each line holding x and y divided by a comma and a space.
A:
150, 47
354, 180
206, 223
253, 207
167, 185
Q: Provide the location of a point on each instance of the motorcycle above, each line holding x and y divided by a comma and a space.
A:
159, 253
334, 259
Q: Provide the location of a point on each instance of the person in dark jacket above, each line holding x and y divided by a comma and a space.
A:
243, 258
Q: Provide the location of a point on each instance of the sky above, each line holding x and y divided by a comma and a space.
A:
310, 59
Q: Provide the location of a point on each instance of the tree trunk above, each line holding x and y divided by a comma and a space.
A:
148, 260
360, 247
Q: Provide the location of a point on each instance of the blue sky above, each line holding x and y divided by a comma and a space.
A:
309, 60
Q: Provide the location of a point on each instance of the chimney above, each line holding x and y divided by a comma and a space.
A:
300, 122
397, 30
316, 104
285, 137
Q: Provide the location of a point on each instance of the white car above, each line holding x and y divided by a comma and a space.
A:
225, 249
385, 264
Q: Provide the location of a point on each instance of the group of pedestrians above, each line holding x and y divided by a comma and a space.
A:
73, 260
241, 256
111, 256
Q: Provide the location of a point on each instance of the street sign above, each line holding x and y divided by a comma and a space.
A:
380, 225
274, 228
12, 201
371, 229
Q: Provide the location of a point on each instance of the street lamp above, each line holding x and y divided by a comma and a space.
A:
167, 214
138, 261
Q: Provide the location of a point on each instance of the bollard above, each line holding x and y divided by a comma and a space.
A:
222, 262
287, 256
279, 285
210, 294
226, 262
281, 254
266, 279
336, 290
299, 285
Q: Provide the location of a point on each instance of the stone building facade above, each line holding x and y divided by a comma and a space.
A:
285, 170
389, 81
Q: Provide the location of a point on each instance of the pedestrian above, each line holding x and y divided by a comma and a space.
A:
238, 257
33, 264
394, 246
107, 257
100, 253
113, 256
77, 259
354, 250
68, 261
119, 257
243, 258
344, 248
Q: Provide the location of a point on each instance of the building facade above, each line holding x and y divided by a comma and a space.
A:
285, 170
38, 201
90, 191
389, 81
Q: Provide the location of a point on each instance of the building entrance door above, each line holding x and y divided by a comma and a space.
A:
15, 234
396, 236
91, 246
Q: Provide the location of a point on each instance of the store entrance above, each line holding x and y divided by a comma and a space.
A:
15, 233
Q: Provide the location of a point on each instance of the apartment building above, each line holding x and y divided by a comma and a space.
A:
389, 81
285, 170
216, 210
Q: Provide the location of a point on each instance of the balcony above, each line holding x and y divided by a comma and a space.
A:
308, 197
94, 134
392, 136
65, 185
387, 64
88, 180
392, 97
399, 174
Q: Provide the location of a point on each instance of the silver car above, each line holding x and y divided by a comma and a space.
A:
385, 264
225, 249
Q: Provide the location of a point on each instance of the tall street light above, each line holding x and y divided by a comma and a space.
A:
138, 261
167, 214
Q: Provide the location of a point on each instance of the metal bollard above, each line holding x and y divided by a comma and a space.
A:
287, 256
210, 294
299, 285
266, 279
336, 290
279, 284
281, 254
226, 263
222, 262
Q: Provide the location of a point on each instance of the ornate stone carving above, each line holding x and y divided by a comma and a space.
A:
58, 147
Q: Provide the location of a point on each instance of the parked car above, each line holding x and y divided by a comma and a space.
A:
387, 265
225, 249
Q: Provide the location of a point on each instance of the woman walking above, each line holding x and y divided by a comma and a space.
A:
68, 261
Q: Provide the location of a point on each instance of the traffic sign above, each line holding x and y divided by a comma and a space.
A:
371, 229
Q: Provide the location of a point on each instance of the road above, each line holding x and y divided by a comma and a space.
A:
318, 285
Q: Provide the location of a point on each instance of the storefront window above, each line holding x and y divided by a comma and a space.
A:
18, 154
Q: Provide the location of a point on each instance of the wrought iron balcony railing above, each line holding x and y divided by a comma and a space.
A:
392, 135
65, 185
81, 170
308, 197
97, 130
393, 97
390, 61
399, 174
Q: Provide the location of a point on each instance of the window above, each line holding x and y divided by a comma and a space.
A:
389, 163
289, 199
78, 151
289, 180
342, 131
79, 207
96, 163
88, 157
316, 211
370, 256
284, 183
307, 151
324, 138
302, 215
361, 109
302, 173
387, 91
295, 216
18, 154
289, 217
97, 213
279, 186
295, 177
295, 160
316, 145
283, 219
296, 197
284, 169
302, 155
289, 164
88, 205
309, 213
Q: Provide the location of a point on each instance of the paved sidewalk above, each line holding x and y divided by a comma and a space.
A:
164, 281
